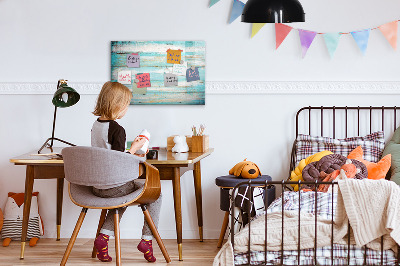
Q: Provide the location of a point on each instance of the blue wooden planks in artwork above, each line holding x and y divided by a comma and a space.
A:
153, 60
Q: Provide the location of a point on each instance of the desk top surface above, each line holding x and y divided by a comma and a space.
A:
164, 157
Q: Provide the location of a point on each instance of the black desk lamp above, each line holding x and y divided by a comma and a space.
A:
273, 11
65, 96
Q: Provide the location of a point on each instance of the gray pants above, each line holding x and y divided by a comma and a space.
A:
154, 208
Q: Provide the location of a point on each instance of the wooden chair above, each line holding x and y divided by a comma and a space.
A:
85, 167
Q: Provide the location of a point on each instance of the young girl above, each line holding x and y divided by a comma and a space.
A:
112, 104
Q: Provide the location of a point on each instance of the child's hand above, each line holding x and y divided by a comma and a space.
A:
137, 144
143, 155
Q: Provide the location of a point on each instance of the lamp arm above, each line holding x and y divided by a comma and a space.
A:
54, 118
54, 126
46, 143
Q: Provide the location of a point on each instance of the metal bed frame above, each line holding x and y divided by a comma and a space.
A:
283, 184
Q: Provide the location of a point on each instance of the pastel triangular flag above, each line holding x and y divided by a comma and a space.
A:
256, 27
281, 31
213, 2
389, 30
361, 37
332, 41
306, 39
237, 9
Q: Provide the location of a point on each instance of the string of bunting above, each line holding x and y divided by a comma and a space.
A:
361, 37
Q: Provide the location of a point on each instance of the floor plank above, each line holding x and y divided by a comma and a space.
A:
49, 252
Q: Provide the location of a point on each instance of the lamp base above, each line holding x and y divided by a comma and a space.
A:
50, 146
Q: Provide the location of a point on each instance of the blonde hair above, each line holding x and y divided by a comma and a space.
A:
112, 99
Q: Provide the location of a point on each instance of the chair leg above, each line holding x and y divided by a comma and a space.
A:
154, 230
223, 229
73, 237
117, 239
101, 222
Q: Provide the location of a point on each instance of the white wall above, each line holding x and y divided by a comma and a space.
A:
42, 41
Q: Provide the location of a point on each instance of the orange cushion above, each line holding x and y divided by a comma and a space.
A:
375, 170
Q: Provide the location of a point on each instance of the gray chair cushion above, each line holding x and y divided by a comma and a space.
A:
99, 167
84, 196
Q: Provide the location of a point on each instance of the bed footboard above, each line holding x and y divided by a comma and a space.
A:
311, 255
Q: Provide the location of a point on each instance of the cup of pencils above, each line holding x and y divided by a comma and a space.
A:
199, 140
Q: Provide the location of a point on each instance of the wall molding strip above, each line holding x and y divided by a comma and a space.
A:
231, 87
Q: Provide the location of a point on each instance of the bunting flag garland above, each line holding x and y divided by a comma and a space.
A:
332, 41
256, 27
389, 30
361, 37
237, 9
281, 31
306, 39
213, 2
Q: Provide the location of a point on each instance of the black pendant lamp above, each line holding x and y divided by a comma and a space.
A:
273, 11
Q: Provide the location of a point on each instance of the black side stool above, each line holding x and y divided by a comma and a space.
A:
226, 183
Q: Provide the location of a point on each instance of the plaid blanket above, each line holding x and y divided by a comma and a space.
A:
323, 205
340, 254
306, 201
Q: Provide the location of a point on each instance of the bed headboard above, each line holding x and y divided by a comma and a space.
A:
344, 121
348, 115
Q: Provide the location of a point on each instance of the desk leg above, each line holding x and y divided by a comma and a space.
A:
27, 206
199, 204
176, 182
60, 190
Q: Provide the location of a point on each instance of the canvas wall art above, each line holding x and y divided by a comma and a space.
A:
161, 72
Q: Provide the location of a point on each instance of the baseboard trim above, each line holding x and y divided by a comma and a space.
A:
230, 87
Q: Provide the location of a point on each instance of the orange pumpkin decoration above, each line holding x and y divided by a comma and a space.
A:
375, 170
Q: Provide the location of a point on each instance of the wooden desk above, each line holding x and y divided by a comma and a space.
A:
40, 167
171, 167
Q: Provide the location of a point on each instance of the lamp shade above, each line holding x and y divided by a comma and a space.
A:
65, 96
273, 11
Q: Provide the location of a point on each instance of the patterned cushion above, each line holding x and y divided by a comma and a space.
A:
393, 148
13, 228
372, 144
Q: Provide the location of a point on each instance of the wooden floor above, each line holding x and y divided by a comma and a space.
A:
50, 252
